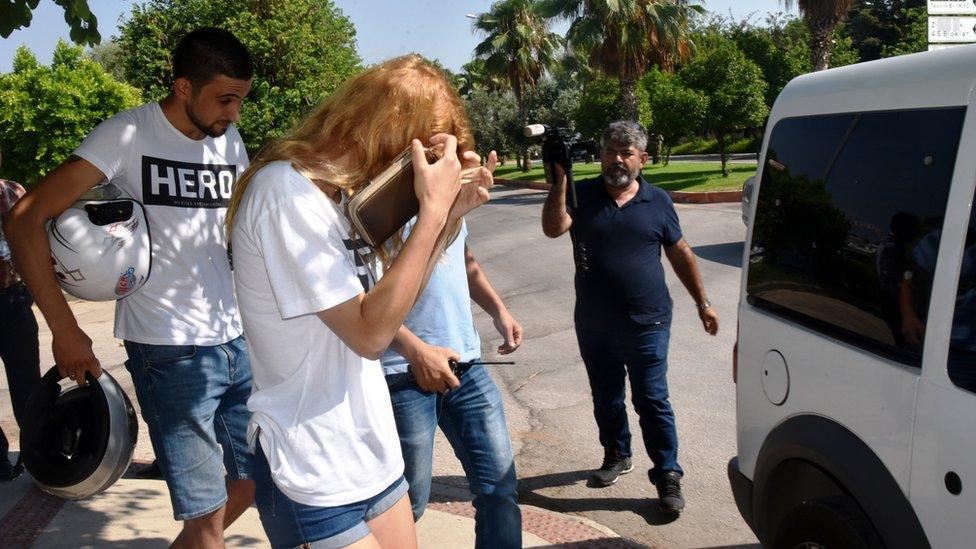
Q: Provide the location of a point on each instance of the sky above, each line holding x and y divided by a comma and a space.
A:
384, 28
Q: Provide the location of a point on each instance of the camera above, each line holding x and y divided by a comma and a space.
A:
561, 145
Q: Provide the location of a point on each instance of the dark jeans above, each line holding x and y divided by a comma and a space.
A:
18, 350
472, 419
641, 354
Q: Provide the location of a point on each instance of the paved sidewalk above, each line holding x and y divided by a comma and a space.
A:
137, 513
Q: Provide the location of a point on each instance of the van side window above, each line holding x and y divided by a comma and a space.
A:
962, 338
848, 207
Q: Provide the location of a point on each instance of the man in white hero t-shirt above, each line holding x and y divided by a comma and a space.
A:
180, 158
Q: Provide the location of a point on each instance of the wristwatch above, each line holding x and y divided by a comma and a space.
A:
704, 305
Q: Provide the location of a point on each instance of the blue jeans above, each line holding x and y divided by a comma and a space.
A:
288, 523
18, 351
641, 354
194, 401
473, 421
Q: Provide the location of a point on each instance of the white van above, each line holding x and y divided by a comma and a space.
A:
855, 364
748, 188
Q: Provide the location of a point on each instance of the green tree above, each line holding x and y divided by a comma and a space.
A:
822, 18
475, 76
302, 51
45, 112
554, 104
915, 37
572, 71
781, 49
734, 88
710, 32
494, 120
599, 105
623, 38
678, 110
882, 28
775, 58
83, 25
109, 55
518, 47
792, 35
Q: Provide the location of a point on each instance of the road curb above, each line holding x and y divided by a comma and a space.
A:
713, 197
534, 185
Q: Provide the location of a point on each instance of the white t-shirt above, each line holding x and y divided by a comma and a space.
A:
185, 185
323, 412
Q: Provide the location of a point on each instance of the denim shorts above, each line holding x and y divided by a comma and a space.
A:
291, 524
194, 401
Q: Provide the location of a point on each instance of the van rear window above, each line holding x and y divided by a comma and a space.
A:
849, 207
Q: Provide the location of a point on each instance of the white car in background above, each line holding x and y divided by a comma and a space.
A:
855, 361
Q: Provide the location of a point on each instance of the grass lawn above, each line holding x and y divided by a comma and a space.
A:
677, 176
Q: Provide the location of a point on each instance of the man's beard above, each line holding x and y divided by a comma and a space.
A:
211, 130
618, 176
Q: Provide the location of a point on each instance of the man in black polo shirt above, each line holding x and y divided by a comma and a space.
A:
623, 309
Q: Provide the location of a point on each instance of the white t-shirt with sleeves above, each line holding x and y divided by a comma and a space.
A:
185, 185
323, 413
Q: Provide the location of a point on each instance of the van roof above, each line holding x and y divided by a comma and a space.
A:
920, 80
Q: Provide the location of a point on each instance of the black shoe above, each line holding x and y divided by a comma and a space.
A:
150, 471
669, 492
613, 466
8, 471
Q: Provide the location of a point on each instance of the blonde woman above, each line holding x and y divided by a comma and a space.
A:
328, 468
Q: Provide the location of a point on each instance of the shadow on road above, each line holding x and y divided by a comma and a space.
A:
530, 488
729, 253
520, 199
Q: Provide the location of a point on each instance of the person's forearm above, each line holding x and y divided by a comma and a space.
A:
555, 220
386, 306
406, 343
686, 268
32, 257
481, 290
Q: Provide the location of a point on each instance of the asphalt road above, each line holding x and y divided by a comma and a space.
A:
547, 396
546, 393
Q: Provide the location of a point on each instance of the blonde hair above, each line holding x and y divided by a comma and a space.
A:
354, 133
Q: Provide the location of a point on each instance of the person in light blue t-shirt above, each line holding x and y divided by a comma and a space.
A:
467, 408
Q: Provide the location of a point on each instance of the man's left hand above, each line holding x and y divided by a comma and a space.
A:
709, 320
511, 330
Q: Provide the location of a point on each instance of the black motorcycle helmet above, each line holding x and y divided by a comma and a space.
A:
77, 441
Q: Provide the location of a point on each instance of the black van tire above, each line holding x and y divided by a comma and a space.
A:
834, 522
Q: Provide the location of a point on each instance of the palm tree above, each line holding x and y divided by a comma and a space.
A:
822, 17
519, 47
476, 77
623, 38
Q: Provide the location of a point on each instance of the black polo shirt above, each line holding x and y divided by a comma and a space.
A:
624, 278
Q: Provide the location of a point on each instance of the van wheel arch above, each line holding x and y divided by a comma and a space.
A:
812, 457
833, 522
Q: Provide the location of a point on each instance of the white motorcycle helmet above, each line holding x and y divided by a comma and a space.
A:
100, 246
